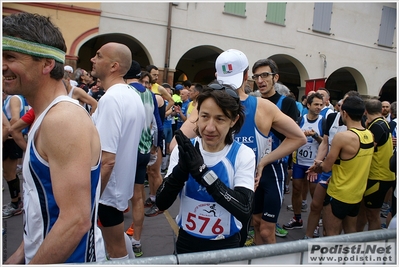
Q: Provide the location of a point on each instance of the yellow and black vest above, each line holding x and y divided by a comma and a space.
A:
349, 177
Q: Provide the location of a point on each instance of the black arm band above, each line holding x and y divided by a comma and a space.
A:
238, 202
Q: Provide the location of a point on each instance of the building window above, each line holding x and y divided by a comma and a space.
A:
235, 9
276, 13
387, 26
322, 17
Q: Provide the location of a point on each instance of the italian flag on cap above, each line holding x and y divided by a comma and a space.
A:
227, 68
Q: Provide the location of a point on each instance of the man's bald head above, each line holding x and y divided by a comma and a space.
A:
386, 106
120, 53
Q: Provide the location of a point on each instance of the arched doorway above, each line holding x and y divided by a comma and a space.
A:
388, 91
89, 49
344, 80
197, 65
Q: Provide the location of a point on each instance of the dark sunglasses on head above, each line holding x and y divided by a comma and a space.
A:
229, 91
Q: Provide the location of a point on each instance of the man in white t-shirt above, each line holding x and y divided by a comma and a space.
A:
119, 119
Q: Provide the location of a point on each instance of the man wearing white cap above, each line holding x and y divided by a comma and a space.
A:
69, 69
260, 115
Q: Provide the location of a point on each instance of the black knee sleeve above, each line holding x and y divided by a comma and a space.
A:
13, 186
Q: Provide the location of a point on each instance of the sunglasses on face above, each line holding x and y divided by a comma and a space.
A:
229, 91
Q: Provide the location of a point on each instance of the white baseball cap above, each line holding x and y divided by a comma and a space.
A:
230, 66
68, 68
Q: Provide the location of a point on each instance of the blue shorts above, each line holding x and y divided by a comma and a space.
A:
168, 134
323, 177
269, 194
299, 172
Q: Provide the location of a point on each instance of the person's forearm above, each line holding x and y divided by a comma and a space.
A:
18, 257
93, 107
169, 189
170, 104
237, 201
19, 139
284, 149
322, 150
62, 239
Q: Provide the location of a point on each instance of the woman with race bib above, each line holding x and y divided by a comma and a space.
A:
213, 175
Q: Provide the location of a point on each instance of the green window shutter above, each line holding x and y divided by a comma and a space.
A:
235, 8
276, 13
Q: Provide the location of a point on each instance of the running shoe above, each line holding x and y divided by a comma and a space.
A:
280, 231
293, 224
130, 231
385, 207
153, 211
10, 210
287, 189
304, 207
138, 252
384, 213
148, 203
316, 233
320, 222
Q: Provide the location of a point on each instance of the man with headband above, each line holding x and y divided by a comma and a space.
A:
61, 167
349, 149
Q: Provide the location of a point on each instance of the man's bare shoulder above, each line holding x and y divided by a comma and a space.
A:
161, 89
346, 137
266, 105
67, 112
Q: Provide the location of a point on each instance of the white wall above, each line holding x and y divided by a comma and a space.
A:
352, 43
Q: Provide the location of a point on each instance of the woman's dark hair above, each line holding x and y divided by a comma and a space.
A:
230, 106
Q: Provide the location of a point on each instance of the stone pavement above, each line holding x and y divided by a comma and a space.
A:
158, 232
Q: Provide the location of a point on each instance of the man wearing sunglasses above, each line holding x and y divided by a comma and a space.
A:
260, 115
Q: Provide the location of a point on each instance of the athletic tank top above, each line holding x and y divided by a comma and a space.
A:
379, 169
148, 102
349, 177
306, 154
200, 215
335, 128
41, 208
154, 88
22, 110
70, 94
249, 134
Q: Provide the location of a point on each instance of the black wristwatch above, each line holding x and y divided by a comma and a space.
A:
316, 135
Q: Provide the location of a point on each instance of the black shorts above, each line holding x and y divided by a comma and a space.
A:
269, 194
141, 169
289, 163
11, 150
341, 209
109, 216
375, 193
187, 243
